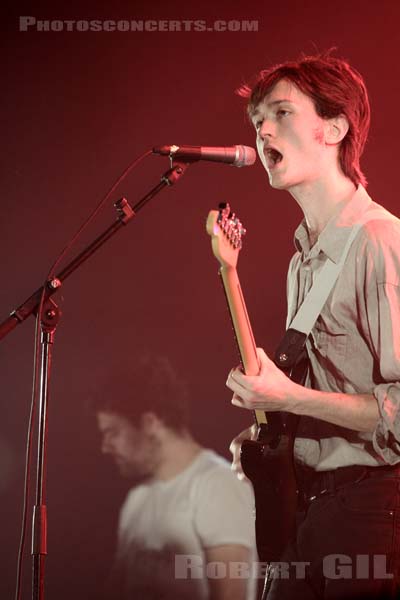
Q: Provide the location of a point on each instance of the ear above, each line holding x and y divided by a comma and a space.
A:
150, 423
336, 130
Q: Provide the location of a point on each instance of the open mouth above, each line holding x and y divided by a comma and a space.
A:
272, 156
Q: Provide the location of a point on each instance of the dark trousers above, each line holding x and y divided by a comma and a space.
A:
347, 546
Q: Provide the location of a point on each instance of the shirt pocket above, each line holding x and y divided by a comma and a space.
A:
330, 347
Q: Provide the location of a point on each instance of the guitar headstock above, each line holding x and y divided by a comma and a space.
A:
226, 233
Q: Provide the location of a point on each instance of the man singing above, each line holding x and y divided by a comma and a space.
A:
311, 119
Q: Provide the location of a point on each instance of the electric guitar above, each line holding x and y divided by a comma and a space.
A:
267, 461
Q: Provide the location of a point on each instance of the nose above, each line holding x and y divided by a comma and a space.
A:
266, 130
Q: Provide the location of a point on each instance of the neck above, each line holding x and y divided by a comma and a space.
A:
177, 451
321, 199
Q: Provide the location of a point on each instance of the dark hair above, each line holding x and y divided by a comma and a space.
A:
336, 89
149, 385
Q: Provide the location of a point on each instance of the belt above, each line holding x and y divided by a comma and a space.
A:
313, 484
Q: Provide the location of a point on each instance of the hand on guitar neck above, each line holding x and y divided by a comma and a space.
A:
271, 390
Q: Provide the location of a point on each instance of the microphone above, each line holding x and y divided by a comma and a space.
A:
237, 156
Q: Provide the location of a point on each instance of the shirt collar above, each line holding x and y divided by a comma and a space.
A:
333, 238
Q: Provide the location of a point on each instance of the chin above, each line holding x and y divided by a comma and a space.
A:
124, 471
278, 185
279, 182
134, 474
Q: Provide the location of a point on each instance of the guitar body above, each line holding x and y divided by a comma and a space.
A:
268, 461
271, 472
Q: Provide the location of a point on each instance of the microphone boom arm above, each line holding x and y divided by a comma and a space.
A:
125, 214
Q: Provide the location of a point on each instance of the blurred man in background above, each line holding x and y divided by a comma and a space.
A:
187, 509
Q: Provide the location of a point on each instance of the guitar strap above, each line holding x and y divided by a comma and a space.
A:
293, 342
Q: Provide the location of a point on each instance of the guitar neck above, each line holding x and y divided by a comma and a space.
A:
242, 327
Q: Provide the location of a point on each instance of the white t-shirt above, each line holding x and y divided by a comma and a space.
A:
165, 526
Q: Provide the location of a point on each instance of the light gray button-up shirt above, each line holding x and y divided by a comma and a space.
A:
354, 346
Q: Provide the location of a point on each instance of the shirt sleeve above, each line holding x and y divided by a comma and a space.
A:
386, 437
225, 510
382, 320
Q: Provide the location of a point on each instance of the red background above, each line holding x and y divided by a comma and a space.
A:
76, 108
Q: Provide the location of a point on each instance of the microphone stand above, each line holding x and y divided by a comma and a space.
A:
49, 320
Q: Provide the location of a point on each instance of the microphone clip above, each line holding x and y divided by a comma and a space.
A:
176, 171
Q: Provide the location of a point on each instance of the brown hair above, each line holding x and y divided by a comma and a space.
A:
149, 384
336, 89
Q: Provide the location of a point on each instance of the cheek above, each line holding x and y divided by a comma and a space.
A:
319, 135
123, 444
133, 447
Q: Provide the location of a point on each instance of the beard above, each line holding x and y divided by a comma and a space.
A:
136, 473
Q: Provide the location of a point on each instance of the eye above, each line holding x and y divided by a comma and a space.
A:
257, 124
282, 113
